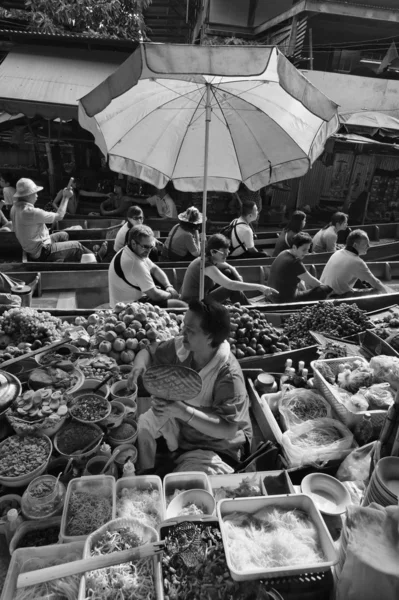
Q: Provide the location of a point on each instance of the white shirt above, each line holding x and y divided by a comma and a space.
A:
245, 236
342, 271
165, 206
137, 271
29, 226
8, 195
120, 237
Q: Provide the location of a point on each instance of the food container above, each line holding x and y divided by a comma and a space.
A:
96, 464
76, 373
329, 495
348, 418
10, 389
46, 553
201, 498
28, 526
141, 483
116, 416
57, 466
129, 439
43, 426
43, 498
289, 502
97, 485
23, 480
8, 502
276, 483
65, 351
147, 534
233, 481
266, 383
89, 384
127, 452
89, 398
120, 390
190, 480
78, 456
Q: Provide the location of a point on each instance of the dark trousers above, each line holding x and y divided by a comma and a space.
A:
61, 249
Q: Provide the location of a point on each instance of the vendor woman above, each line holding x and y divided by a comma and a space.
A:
214, 428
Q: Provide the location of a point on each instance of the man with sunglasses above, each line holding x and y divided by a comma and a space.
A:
133, 277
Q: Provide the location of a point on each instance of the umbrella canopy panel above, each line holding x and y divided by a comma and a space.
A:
268, 123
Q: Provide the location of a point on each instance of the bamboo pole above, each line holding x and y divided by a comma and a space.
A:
208, 116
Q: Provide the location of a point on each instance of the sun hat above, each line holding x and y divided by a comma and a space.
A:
26, 187
191, 215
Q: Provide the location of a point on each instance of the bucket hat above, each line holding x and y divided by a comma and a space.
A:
26, 187
191, 215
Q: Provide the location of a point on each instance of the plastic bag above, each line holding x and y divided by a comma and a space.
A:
301, 449
380, 396
356, 466
386, 369
301, 405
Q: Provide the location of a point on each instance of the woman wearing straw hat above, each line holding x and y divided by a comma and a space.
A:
29, 224
183, 242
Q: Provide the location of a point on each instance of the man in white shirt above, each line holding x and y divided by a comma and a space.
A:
133, 277
242, 235
29, 224
345, 267
164, 204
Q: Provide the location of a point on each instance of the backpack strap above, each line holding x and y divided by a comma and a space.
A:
119, 271
240, 243
129, 227
166, 248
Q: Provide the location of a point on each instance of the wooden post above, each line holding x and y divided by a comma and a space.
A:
293, 34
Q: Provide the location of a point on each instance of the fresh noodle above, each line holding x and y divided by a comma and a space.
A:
87, 512
128, 581
66, 588
271, 538
144, 505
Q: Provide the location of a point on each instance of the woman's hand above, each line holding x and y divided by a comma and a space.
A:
165, 408
134, 375
267, 291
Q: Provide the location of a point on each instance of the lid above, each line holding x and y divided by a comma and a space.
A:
10, 389
266, 379
21, 289
12, 514
288, 362
301, 364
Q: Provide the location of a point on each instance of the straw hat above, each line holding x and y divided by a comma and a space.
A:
26, 187
88, 258
191, 215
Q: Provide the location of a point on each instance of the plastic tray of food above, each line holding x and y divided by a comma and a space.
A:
190, 480
94, 487
48, 554
292, 502
142, 483
344, 415
27, 527
147, 534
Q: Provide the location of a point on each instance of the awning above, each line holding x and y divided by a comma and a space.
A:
359, 139
49, 81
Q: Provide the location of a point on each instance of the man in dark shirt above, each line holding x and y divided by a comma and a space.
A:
288, 270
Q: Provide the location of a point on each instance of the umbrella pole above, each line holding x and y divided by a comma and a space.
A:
208, 116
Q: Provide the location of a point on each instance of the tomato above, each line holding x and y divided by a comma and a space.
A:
120, 327
105, 347
127, 356
132, 344
118, 345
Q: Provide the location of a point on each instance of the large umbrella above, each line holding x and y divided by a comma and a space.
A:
208, 117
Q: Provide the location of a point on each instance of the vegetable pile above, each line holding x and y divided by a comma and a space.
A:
127, 581
338, 320
66, 588
144, 505
86, 513
252, 335
75, 436
22, 455
43, 408
271, 538
40, 537
26, 329
59, 378
248, 487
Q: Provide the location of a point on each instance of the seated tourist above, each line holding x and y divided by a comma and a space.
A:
345, 268
133, 277
163, 202
5, 224
325, 240
216, 424
118, 203
242, 234
295, 225
222, 280
288, 274
183, 241
78, 193
134, 216
29, 224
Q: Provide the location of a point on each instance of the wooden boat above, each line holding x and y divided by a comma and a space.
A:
89, 289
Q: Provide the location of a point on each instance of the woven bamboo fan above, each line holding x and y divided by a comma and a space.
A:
172, 382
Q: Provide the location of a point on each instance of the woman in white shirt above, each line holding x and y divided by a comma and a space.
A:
7, 182
325, 240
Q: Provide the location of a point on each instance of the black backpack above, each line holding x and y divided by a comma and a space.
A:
228, 230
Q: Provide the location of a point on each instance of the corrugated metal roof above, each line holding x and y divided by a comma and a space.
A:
49, 81
69, 36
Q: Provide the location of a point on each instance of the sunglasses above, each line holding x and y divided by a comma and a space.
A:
146, 246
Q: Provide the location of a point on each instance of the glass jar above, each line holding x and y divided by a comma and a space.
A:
43, 498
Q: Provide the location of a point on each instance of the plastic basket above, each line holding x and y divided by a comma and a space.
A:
28, 526
97, 485
348, 418
289, 502
190, 480
148, 534
47, 553
142, 482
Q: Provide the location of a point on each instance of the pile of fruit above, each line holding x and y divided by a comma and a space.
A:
129, 328
26, 329
339, 320
252, 335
